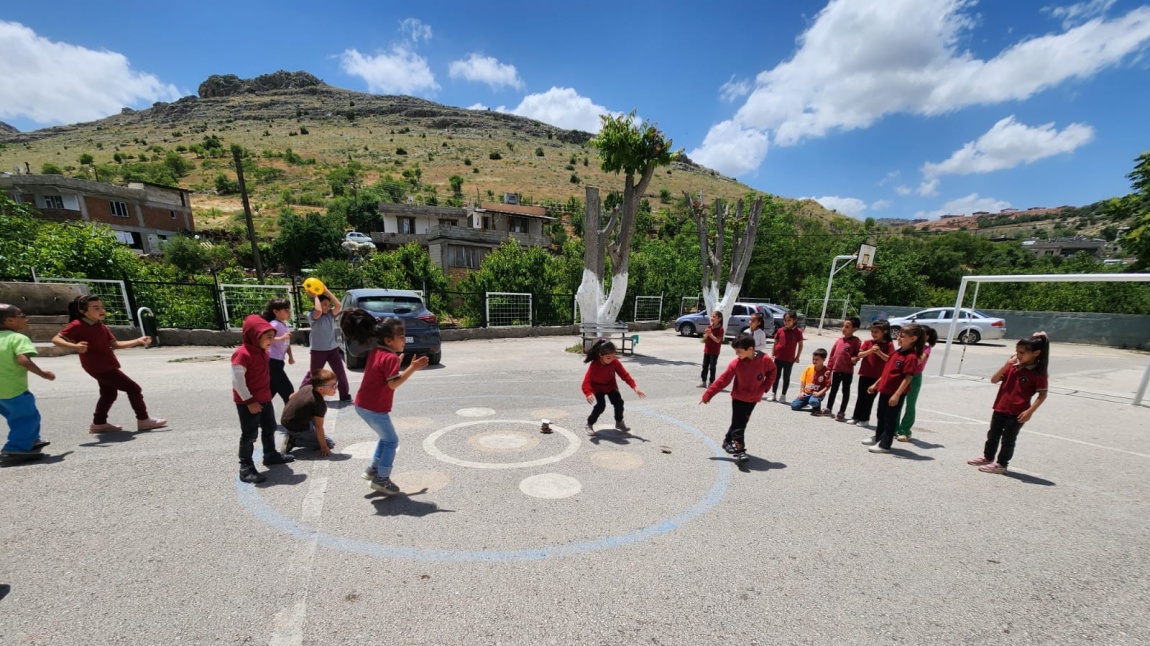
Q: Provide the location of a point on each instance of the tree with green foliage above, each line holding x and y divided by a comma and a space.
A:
307, 239
636, 151
1137, 206
360, 210
186, 254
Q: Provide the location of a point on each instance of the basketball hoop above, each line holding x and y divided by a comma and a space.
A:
864, 260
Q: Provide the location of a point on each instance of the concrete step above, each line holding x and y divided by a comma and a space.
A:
49, 350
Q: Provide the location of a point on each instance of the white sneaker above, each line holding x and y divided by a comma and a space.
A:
771, 398
878, 449
870, 441
590, 430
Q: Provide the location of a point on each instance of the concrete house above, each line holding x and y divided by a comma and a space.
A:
457, 238
142, 214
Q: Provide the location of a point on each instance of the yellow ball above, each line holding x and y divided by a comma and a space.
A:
314, 286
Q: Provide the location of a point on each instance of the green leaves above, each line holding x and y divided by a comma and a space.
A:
623, 146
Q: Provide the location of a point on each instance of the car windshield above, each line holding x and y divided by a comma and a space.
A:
390, 304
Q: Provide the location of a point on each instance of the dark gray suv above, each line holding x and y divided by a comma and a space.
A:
420, 326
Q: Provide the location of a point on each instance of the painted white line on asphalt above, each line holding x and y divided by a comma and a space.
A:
1056, 437
287, 626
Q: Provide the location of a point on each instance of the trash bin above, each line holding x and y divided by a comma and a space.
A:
148, 325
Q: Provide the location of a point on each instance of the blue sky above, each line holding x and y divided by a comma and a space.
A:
883, 108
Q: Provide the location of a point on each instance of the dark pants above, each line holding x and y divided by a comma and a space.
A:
865, 401
111, 383
1004, 427
710, 362
281, 385
844, 379
740, 417
262, 423
887, 419
307, 439
334, 359
784, 368
600, 406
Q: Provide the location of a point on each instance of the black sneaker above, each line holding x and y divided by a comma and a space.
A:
278, 458
385, 486
39, 444
741, 457
249, 474
622, 426
590, 430
729, 448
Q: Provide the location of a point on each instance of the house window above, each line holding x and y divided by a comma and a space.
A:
53, 202
406, 225
446, 222
487, 222
119, 209
517, 225
466, 257
172, 213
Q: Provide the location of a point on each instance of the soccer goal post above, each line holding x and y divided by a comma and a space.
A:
1041, 278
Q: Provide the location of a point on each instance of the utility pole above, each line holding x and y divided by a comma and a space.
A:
236, 154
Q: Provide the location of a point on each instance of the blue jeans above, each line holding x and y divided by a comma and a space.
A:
23, 421
803, 400
384, 457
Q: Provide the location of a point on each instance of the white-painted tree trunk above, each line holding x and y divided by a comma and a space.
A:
595, 307
724, 303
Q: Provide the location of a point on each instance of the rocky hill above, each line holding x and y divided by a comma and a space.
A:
298, 129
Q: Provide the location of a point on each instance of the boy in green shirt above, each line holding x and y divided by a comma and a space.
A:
17, 404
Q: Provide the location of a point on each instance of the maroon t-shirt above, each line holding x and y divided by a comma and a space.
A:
900, 364
843, 352
713, 347
787, 344
871, 365
374, 393
99, 357
1017, 387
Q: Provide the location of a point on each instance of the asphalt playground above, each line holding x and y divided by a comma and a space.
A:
505, 535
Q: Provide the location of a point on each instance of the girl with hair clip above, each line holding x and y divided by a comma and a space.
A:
87, 335
599, 383
1022, 376
381, 377
907, 423
277, 312
893, 383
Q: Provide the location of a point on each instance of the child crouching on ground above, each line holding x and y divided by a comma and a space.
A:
753, 374
814, 383
17, 404
252, 394
304, 413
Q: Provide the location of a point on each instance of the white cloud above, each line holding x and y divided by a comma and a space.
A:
562, 107
858, 62
890, 177
1081, 12
485, 69
733, 89
851, 206
1009, 144
903, 190
731, 149
966, 206
414, 29
928, 188
399, 71
477, 106
880, 205
51, 83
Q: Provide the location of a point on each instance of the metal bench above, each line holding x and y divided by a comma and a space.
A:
617, 333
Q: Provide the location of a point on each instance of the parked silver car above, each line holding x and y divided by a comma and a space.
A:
973, 325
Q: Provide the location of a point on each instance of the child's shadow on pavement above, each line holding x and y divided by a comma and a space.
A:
753, 463
47, 459
925, 445
1028, 479
909, 455
616, 437
402, 504
280, 476
104, 440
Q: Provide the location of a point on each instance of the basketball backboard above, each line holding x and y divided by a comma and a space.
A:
865, 259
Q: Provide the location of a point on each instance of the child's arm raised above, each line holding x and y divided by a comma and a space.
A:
336, 306
29, 365
997, 377
418, 363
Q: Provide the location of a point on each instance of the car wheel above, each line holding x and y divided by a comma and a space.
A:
894, 331
351, 360
970, 337
687, 329
434, 358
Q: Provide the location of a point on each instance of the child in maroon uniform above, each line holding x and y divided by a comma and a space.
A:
753, 375
712, 346
252, 394
599, 382
1023, 375
894, 382
873, 355
844, 356
88, 335
788, 348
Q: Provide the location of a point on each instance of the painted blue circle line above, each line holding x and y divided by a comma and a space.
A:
251, 500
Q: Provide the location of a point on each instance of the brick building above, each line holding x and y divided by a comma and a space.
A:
142, 214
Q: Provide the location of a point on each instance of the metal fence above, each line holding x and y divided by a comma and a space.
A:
508, 309
112, 292
648, 308
180, 305
240, 301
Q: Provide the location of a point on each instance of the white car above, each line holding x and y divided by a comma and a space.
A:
973, 325
359, 239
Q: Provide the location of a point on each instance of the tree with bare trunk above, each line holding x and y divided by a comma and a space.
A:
636, 151
711, 249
